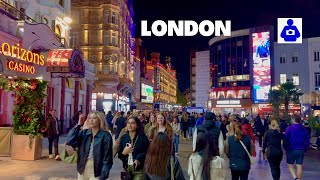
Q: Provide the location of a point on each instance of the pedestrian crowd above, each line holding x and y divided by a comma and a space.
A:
148, 144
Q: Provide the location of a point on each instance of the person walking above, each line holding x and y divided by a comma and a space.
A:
184, 125
150, 125
120, 124
248, 130
235, 149
133, 148
261, 126
162, 125
52, 129
109, 119
272, 149
191, 125
204, 162
94, 144
298, 142
160, 162
176, 131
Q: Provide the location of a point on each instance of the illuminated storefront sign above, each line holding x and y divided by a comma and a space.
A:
228, 102
261, 66
27, 62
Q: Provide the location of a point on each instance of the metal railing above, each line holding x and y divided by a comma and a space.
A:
15, 13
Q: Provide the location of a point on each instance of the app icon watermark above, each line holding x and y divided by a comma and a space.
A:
290, 30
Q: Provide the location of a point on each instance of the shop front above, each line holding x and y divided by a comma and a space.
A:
231, 106
267, 109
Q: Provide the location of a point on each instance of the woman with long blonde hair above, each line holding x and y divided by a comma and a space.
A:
94, 144
162, 125
272, 149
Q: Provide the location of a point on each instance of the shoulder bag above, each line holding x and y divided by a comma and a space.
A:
126, 175
252, 160
69, 155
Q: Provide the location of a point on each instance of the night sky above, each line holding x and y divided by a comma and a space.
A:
242, 13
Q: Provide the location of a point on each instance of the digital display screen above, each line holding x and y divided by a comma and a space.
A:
146, 93
261, 66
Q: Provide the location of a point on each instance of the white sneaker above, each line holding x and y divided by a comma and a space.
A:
50, 156
57, 158
260, 148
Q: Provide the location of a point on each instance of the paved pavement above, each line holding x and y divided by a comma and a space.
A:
48, 169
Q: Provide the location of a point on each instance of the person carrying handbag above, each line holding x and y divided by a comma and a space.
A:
205, 162
239, 149
132, 150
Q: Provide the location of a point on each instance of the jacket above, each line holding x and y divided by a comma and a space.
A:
248, 130
177, 171
272, 143
217, 168
261, 128
139, 153
238, 157
102, 150
297, 137
52, 126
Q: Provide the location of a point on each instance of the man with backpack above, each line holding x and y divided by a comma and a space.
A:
214, 131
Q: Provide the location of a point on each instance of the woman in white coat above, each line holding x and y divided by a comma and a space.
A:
204, 162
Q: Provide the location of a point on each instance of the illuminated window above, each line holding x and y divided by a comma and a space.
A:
94, 96
58, 30
283, 58
106, 38
283, 78
316, 78
68, 83
295, 57
295, 79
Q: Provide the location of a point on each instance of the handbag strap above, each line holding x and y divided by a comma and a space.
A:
135, 142
193, 174
245, 148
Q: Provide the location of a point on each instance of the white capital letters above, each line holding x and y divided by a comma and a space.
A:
154, 28
144, 28
202, 26
226, 30
178, 29
187, 30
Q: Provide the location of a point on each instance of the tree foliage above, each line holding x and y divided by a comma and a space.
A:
181, 99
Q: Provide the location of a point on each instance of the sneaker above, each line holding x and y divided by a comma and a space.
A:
50, 156
58, 158
176, 154
260, 148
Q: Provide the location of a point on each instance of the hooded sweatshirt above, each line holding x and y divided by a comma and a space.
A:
298, 137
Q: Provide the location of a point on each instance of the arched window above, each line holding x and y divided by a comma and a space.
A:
122, 68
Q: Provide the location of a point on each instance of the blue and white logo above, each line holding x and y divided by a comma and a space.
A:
290, 30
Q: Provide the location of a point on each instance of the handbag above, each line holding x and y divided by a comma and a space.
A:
252, 160
126, 175
69, 156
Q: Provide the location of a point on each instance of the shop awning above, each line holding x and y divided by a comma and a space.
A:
65, 63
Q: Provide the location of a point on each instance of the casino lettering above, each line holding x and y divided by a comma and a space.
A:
19, 67
21, 54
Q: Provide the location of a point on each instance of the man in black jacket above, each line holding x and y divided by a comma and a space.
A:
121, 123
261, 126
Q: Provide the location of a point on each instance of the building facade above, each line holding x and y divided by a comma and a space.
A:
202, 78
165, 82
230, 91
193, 77
102, 31
300, 63
42, 27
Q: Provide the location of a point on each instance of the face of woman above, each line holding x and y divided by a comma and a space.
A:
160, 119
175, 120
94, 121
132, 125
152, 118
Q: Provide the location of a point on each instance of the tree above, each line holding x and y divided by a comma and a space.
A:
285, 94
181, 99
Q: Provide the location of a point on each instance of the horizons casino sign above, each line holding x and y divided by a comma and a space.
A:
27, 59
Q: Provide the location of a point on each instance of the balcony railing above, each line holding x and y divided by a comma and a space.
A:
15, 13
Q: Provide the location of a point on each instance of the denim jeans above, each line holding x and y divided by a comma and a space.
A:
191, 130
176, 142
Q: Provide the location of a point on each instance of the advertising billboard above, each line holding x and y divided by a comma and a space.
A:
146, 93
261, 71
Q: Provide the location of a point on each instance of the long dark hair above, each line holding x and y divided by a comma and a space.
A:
159, 154
207, 149
140, 129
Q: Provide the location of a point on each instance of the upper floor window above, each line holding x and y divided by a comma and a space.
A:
283, 58
114, 39
74, 39
295, 79
295, 57
106, 39
316, 56
317, 79
283, 78
113, 19
107, 16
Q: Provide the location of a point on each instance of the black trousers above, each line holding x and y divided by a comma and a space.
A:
275, 168
55, 140
185, 129
260, 138
242, 174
